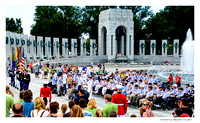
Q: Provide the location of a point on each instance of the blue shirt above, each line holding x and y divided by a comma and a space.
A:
142, 91
54, 79
175, 91
27, 107
167, 94
59, 82
87, 113
186, 90
150, 93
135, 91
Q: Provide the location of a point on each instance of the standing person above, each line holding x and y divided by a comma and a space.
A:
90, 87
64, 83
39, 108
28, 105
92, 107
9, 101
121, 101
81, 95
59, 84
17, 110
46, 70
178, 80
109, 106
45, 91
147, 107
54, 82
21, 79
82, 104
27, 79
170, 80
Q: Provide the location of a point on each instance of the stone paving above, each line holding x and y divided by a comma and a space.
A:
36, 84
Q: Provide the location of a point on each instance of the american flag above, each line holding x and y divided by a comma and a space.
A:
22, 63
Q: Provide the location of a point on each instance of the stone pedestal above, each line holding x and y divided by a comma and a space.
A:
83, 47
142, 47
176, 47
164, 47
74, 47
153, 47
65, 46
48, 46
40, 45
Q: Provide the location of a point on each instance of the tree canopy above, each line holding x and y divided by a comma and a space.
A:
14, 25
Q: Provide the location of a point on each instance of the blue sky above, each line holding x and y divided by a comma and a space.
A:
26, 13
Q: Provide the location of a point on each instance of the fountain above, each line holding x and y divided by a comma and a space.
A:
186, 67
187, 54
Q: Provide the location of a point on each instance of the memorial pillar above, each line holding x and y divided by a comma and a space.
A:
48, 46
65, 47
54, 47
40, 45
33, 47
153, 47
176, 47
142, 47
164, 47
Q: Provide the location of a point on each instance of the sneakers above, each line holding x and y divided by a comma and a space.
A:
128, 101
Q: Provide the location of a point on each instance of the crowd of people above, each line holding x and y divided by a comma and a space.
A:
118, 89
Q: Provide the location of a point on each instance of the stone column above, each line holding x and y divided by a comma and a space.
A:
142, 47
29, 55
8, 47
153, 47
164, 47
24, 39
83, 47
122, 45
74, 47
58, 49
176, 47
48, 46
40, 44
54, 47
33, 47
91, 47
65, 47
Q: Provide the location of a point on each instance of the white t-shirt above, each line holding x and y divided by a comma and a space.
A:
64, 78
45, 114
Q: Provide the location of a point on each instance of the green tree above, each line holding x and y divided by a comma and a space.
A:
14, 25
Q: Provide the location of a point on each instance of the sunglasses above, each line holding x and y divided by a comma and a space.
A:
145, 104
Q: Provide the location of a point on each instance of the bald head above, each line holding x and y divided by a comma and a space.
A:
17, 109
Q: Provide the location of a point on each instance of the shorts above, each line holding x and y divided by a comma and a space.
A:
45, 73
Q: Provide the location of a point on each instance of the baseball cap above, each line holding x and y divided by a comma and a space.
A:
45, 82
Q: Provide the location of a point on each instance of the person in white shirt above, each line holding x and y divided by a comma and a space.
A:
141, 94
148, 96
155, 90
159, 96
64, 83
175, 90
90, 87
39, 108
187, 89
134, 93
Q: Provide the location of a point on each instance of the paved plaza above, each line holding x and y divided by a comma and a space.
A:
36, 84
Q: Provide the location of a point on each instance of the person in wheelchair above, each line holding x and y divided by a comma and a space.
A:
149, 96
159, 97
174, 91
165, 98
191, 95
179, 95
133, 94
74, 90
141, 94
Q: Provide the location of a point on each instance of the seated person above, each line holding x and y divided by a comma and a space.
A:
125, 89
148, 96
180, 93
81, 95
134, 92
159, 96
141, 94
191, 95
110, 88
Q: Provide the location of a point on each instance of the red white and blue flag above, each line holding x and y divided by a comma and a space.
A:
22, 62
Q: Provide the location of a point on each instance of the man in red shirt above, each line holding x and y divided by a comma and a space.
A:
178, 80
45, 91
120, 100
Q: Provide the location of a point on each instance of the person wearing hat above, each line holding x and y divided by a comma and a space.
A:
191, 95
45, 91
187, 88
89, 89
159, 96
110, 88
120, 99
175, 90
180, 93
59, 84
141, 94
80, 80
27, 79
